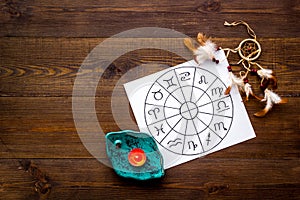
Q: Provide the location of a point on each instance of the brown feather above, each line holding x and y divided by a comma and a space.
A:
257, 97
195, 58
283, 100
261, 113
201, 38
227, 91
247, 98
188, 43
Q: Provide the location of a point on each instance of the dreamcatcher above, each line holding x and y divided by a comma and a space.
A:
249, 51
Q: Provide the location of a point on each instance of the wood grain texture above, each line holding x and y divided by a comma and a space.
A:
106, 18
222, 179
42, 46
48, 66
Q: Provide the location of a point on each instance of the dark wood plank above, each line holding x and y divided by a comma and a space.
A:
203, 178
271, 18
48, 66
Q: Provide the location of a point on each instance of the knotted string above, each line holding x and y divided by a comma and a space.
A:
240, 48
249, 29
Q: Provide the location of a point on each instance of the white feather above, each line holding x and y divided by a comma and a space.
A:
269, 104
265, 73
210, 47
235, 80
271, 98
205, 52
275, 98
248, 89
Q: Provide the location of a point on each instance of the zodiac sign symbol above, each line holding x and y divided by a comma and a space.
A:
202, 80
222, 106
208, 139
154, 111
185, 75
158, 95
159, 129
174, 142
217, 90
219, 126
170, 82
193, 145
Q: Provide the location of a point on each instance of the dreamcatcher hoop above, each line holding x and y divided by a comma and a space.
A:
251, 47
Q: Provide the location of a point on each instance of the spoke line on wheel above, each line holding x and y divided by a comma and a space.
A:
150, 104
184, 136
215, 114
172, 129
163, 119
198, 135
212, 101
209, 128
193, 84
168, 92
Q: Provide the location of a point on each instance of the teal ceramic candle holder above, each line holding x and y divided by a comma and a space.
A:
134, 155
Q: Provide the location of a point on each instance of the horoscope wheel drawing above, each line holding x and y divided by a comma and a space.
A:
187, 112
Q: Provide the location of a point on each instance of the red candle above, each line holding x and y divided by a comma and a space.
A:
137, 157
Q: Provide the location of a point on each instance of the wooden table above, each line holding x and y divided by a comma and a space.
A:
42, 47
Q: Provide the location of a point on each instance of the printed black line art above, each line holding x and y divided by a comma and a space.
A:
206, 90
158, 95
202, 80
175, 142
192, 91
170, 82
217, 91
208, 138
163, 119
159, 129
169, 93
212, 101
188, 110
194, 110
154, 112
220, 125
222, 106
185, 76
192, 145
164, 106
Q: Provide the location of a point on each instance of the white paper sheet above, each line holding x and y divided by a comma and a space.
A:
184, 108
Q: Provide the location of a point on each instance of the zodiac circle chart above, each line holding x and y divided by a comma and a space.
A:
187, 112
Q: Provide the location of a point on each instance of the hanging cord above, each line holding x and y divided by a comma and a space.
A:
248, 58
247, 68
243, 74
249, 29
